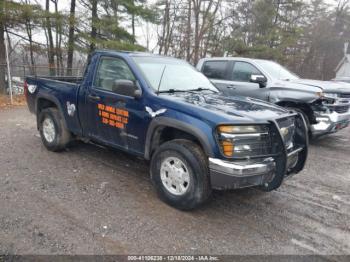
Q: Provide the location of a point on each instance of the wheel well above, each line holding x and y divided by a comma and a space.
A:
44, 103
307, 110
164, 134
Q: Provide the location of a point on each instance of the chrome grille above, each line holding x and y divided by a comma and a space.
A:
342, 95
341, 109
287, 128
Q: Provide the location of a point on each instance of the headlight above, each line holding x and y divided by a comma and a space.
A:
320, 94
244, 141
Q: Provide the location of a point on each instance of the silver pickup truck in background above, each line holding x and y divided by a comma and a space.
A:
324, 104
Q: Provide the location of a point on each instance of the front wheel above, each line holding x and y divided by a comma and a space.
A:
179, 171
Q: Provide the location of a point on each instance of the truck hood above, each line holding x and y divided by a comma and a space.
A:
214, 106
326, 86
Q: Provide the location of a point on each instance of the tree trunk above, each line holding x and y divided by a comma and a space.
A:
93, 33
70, 52
133, 24
167, 37
196, 9
28, 26
133, 28
29, 31
58, 46
166, 19
188, 33
51, 51
2, 51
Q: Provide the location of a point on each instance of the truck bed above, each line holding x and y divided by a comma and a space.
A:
66, 79
62, 91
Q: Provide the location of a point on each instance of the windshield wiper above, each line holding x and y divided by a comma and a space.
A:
184, 90
171, 91
199, 89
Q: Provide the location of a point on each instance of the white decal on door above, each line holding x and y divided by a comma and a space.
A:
154, 114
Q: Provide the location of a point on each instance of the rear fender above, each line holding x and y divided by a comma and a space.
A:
54, 101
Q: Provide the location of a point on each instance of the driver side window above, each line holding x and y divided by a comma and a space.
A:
242, 71
109, 70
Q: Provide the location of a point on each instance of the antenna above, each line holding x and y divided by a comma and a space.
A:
161, 78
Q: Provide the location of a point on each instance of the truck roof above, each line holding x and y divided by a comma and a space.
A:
233, 58
129, 53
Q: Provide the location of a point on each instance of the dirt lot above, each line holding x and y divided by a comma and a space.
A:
90, 200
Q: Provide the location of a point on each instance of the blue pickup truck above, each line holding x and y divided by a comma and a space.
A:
164, 110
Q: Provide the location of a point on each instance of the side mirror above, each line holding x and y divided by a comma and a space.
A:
259, 79
126, 88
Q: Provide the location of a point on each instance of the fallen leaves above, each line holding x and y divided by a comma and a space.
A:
18, 100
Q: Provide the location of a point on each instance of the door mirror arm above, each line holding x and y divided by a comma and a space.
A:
137, 93
259, 79
127, 88
263, 85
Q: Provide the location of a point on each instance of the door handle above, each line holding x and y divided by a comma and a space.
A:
231, 86
94, 97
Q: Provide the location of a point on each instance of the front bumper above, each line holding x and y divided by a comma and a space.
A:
330, 123
233, 175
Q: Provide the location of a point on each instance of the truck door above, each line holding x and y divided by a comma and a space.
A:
240, 80
218, 72
111, 112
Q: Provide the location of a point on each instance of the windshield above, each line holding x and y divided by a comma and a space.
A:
276, 70
167, 74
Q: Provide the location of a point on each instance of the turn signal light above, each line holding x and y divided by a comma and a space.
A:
227, 148
240, 129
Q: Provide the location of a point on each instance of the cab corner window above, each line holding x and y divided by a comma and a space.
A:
215, 69
242, 72
109, 71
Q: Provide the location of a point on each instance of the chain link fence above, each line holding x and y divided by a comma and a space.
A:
19, 72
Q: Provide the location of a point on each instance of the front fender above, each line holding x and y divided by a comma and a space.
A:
278, 94
206, 140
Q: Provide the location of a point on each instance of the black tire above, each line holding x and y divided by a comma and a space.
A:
62, 136
194, 159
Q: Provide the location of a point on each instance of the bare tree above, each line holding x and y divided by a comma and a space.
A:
2, 49
70, 52
49, 39
94, 20
189, 31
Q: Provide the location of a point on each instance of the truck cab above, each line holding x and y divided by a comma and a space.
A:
165, 111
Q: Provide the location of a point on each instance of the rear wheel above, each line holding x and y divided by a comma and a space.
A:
53, 131
179, 171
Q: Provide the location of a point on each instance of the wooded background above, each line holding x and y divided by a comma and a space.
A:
306, 36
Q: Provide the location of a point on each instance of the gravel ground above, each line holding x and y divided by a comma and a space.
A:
91, 200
